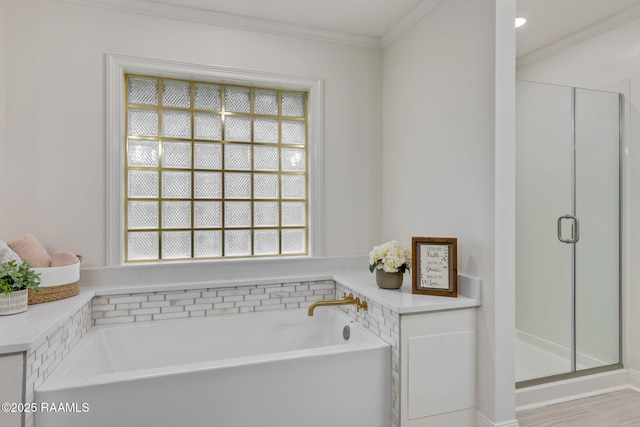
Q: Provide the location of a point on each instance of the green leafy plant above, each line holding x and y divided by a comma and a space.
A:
16, 277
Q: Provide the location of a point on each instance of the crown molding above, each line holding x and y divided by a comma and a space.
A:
408, 20
579, 36
203, 16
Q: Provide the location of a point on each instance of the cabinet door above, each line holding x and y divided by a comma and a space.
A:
438, 368
11, 367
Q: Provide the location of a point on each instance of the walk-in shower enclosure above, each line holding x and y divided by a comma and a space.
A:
567, 232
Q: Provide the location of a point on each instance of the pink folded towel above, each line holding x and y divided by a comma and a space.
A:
64, 258
30, 249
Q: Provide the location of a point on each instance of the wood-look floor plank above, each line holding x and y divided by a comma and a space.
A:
614, 409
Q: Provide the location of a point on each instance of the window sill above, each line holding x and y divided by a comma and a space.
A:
150, 277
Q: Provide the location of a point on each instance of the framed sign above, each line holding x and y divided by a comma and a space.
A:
435, 266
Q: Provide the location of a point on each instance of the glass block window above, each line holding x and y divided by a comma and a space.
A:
214, 170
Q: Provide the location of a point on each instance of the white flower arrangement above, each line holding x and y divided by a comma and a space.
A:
390, 257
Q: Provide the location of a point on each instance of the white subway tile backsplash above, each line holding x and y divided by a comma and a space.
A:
114, 320
155, 304
244, 304
323, 285
116, 313
223, 305
128, 306
104, 307
173, 309
219, 311
198, 307
126, 299
256, 297
180, 302
302, 293
209, 302
164, 316
182, 295
233, 292
141, 311
270, 307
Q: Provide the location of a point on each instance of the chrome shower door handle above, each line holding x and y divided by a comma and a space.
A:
575, 229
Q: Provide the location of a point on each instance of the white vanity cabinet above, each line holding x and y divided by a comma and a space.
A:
437, 368
433, 347
11, 384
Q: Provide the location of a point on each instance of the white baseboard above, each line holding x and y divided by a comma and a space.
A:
483, 421
634, 379
574, 388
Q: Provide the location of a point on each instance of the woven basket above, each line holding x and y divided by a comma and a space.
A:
57, 283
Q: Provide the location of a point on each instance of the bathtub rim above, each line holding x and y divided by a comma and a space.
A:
56, 382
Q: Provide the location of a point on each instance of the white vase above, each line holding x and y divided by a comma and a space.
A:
15, 302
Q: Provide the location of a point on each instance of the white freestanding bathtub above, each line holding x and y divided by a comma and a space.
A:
276, 369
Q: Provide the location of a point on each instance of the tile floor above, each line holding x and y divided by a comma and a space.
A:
619, 408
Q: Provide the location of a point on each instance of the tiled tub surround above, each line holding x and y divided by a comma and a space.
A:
162, 305
48, 351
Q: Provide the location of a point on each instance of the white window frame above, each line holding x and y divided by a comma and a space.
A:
119, 65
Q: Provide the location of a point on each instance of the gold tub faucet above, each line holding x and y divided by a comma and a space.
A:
346, 300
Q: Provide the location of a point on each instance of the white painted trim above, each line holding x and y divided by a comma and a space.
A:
634, 378
571, 389
500, 313
204, 16
118, 65
407, 21
115, 169
579, 36
483, 421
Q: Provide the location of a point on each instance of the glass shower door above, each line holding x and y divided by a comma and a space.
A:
567, 232
544, 191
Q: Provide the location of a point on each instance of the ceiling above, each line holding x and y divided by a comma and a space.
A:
344, 16
549, 21
552, 24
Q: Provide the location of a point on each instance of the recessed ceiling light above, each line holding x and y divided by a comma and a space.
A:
520, 22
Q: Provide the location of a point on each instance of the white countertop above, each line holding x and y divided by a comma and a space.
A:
18, 332
403, 301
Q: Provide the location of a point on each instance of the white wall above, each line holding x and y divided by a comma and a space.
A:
56, 121
611, 61
438, 161
3, 116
